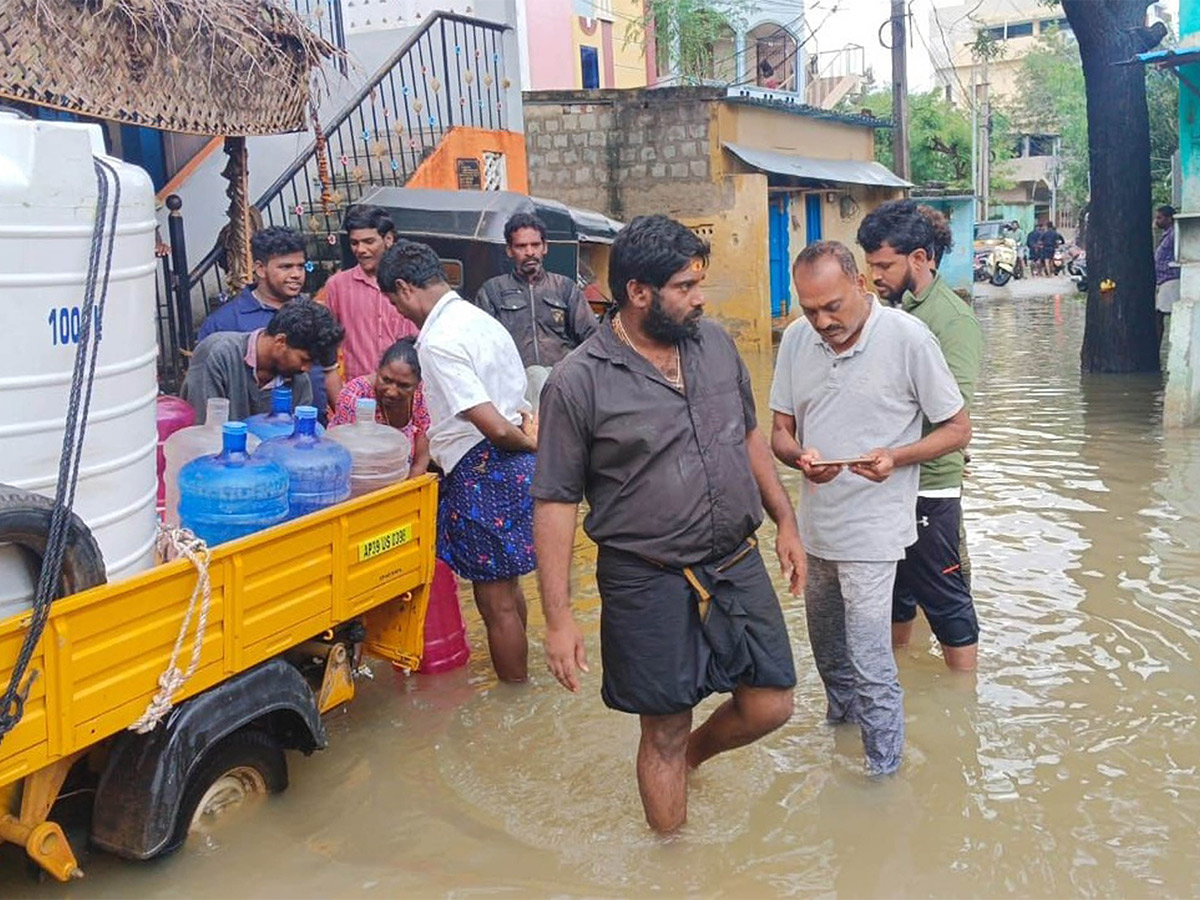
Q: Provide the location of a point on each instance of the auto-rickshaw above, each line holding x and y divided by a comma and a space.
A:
466, 229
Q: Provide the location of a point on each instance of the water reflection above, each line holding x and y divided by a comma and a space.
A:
1067, 766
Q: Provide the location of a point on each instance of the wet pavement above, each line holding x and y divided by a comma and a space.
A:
1067, 766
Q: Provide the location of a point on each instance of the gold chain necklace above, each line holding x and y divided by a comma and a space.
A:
676, 380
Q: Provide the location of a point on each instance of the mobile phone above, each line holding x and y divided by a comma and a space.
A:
859, 460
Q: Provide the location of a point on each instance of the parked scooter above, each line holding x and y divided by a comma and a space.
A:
1077, 270
996, 264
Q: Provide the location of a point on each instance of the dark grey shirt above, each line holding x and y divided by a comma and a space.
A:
218, 368
667, 475
547, 318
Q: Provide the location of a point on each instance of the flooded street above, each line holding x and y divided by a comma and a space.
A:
1068, 766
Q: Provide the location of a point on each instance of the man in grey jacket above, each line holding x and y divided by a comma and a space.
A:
245, 368
543, 311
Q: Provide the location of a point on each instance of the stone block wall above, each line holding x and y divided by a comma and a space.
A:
624, 153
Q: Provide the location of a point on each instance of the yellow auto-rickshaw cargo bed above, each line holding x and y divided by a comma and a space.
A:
102, 651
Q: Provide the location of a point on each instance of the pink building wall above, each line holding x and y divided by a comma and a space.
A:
552, 62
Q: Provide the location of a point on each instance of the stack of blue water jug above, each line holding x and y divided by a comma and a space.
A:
234, 493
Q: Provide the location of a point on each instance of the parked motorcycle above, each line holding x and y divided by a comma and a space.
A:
996, 258
1077, 270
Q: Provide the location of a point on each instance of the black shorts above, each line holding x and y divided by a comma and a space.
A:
660, 658
931, 575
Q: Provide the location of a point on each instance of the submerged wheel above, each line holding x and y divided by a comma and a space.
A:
1000, 277
245, 765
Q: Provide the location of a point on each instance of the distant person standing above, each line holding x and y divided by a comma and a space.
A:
1051, 240
899, 242
482, 438
545, 312
372, 324
1033, 247
1166, 270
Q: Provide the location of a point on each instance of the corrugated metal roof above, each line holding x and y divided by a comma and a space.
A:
811, 168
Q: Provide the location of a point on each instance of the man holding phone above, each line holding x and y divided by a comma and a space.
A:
852, 382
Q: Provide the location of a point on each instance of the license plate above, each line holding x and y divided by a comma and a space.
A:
382, 543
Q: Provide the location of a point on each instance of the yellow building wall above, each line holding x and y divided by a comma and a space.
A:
789, 133
737, 288
629, 56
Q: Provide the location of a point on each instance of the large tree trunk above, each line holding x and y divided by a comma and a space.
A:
1120, 334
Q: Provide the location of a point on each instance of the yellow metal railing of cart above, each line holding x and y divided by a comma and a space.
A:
102, 651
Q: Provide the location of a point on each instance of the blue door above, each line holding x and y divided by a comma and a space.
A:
812, 218
781, 299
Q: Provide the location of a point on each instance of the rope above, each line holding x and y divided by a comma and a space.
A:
186, 544
12, 703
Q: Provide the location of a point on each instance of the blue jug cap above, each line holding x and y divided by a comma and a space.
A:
281, 399
306, 412
233, 428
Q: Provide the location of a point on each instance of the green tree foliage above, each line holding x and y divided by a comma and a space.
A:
939, 137
1051, 99
689, 28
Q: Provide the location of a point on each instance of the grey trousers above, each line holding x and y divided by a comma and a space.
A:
848, 606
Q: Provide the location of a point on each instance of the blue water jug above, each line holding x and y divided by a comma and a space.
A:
279, 422
318, 469
231, 494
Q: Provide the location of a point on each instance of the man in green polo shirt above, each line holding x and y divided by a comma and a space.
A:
899, 243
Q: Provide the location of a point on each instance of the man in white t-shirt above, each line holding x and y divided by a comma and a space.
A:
481, 436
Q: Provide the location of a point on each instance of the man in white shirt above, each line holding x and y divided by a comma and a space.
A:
481, 436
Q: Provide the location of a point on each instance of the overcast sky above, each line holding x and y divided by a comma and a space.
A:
841, 22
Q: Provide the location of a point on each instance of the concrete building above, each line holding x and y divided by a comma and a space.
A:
757, 177
601, 44
1181, 405
1014, 24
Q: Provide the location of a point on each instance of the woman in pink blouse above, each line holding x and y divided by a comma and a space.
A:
396, 388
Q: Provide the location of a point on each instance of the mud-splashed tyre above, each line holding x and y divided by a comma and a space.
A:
1000, 277
246, 764
25, 521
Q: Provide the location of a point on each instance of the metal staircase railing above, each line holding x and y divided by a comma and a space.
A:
448, 73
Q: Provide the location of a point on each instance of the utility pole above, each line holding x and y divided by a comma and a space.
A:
985, 146
900, 161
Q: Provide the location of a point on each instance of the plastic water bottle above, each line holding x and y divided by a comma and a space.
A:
173, 414
231, 494
379, 452
318, 469
278, 422
190, 443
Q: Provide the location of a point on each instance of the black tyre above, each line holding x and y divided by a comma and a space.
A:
25, 522
1000, 277
1081, 285
246, 763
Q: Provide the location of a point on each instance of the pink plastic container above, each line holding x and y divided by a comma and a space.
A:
446, 645
173, 414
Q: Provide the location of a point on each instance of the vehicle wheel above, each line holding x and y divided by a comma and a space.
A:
1000, 277
1081, 285
244, 765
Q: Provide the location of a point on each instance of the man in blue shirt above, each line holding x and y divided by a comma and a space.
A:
279, 273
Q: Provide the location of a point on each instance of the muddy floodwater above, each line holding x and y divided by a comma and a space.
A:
1068, 766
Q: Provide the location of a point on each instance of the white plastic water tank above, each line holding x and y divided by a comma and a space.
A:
47, 209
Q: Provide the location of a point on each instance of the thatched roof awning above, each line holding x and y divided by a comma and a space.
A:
229, 67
